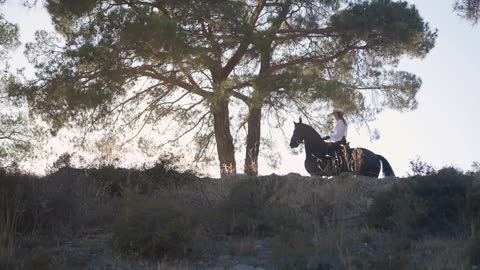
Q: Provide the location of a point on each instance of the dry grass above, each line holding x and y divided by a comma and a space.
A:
441, 254
9, 218
163, 265
244, 247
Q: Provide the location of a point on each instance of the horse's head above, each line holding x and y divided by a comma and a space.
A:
298, 136
302, 133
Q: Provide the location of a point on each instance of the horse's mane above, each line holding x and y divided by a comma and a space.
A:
310, 130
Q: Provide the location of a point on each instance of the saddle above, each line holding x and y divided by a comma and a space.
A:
335, 158
338, 147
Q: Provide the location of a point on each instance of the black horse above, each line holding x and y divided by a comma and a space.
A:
328, 159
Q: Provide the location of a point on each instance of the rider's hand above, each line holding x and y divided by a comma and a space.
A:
326, 138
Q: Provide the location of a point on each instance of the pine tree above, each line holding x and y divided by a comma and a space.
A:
469, 9
18, 133
197, 59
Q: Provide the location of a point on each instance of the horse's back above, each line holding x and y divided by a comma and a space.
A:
366, 162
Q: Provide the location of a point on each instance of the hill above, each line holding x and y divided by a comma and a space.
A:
158, 218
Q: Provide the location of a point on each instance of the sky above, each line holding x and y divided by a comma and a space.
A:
442, 131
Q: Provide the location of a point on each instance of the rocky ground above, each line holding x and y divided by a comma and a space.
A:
93, 252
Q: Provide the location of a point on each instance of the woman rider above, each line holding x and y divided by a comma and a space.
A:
341, 128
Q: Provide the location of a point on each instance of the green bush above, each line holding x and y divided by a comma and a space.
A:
155, 229
433, 204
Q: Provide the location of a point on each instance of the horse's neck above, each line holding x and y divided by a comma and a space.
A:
314, 144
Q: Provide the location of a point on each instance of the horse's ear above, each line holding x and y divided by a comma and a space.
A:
300, 120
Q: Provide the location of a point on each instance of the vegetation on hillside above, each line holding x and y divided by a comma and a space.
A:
159, 214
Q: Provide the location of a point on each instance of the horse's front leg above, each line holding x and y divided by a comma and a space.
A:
326, 166
312, 167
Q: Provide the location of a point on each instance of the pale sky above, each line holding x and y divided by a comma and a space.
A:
442, 131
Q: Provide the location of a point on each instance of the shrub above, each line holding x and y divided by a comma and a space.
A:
166, 174
421, 168
111, 180
39, 259
430, 204
62, 161
296, 250
393, 256
65, 203
255, 207
395, 209
17, 200
10, 214
473, 206
162, 175
59, 203
473, 250
155, 228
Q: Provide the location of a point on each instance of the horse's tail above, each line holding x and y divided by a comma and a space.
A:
387, 169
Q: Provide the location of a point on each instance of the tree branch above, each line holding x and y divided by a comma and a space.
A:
306, 32
200, 120
174, 80
316, 60
242, 49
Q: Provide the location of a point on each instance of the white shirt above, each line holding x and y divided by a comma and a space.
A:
341, 130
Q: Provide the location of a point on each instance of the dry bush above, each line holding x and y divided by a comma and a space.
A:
473, 251
155, 228
419, 167
313, 220
128, 264
13, 193
473, 206
68, 203
252, 208
38, 259
59, 204
433, 254
265, 205
429, 205
296, 250
345, 222
145, 180
243, 247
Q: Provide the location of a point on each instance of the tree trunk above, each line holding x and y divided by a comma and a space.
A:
224, 139
253, 141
